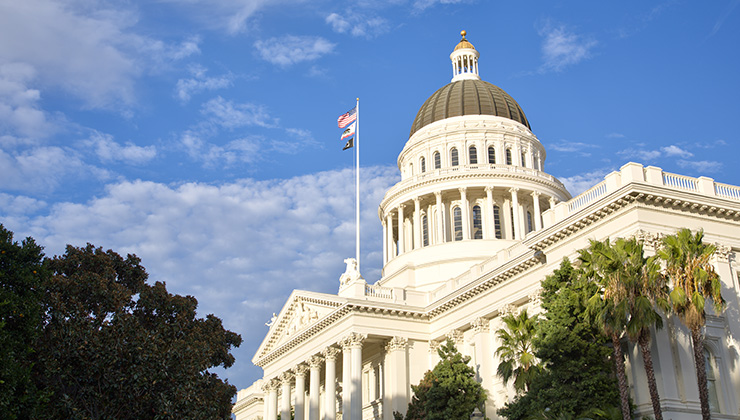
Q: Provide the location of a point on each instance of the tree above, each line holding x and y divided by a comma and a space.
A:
21, 277
635, 285
449, 391
114, 346
609, 314
576, 374
516, 350
694, 281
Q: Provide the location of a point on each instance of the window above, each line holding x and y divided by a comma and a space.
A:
423, 165
508, 156
710, 366
497, 221
524, 159
457, 224
453, 157
411, 169
477, 223
473, 155
424, 230
529, 221
437, 163
491, 155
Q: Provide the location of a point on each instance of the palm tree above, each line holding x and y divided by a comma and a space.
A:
642, 287
609, 313
694, 281
516, 351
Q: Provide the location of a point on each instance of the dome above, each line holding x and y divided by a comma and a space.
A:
468, 97
464, 43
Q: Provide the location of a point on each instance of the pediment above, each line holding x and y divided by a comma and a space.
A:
299, 313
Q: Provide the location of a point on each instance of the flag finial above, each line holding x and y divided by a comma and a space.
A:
463, 33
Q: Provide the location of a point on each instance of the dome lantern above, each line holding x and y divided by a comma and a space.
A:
464, 60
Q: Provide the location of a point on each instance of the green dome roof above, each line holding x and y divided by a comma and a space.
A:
468, 97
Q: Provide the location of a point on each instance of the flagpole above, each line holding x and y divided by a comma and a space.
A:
357, 187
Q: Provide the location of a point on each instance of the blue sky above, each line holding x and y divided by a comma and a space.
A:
201, 135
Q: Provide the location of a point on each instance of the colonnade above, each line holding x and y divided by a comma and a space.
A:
512, 204
310, 408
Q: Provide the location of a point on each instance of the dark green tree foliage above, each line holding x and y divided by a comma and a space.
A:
417, 407
116, 347
578, 374
454, 393
21, 276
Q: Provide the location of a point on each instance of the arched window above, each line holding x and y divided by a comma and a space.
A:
454, 161
437, 162
529, 221
524, 159
423, 164
491, 154
473, 154
497, 221
711, 368
411, 169
424, 230
508, 156
477, 223
457, 224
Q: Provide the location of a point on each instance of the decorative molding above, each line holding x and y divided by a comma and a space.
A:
397, 343
507, 309
331, 353
722, 254
286, 377
434, 346
480, 325
315, 361
456, 336
648, 239
301, 369
353, 340
536, 296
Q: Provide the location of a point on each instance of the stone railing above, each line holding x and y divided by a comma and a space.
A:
636, 173
374, 291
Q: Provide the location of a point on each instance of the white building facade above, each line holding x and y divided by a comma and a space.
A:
470, 231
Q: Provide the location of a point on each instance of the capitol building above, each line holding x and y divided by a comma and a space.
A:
469, 232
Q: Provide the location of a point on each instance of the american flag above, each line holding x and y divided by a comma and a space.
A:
347, 118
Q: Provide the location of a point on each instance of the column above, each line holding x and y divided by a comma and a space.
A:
483, 355
537, 213
300, 391
389, 238
272, 390
330, 382
515, 207
417, 224
401, 247
433, 353
265, 399
286, 378
385, 241
465, 213
397, 349
352, 364
315, 380
489, 229
440, 219
552, 202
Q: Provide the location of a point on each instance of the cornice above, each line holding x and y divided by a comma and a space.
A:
241, 405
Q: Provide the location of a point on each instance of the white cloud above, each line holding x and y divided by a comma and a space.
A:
421, 5
109, 151
39, 168
199, 82
674, 150
240, 248
641, 154
290, 49
701, 165
230, 115
573, 146
577, 184
562, 48
615, 136
357, 24
21, 118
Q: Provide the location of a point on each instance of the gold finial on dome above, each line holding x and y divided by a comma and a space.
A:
464, 43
